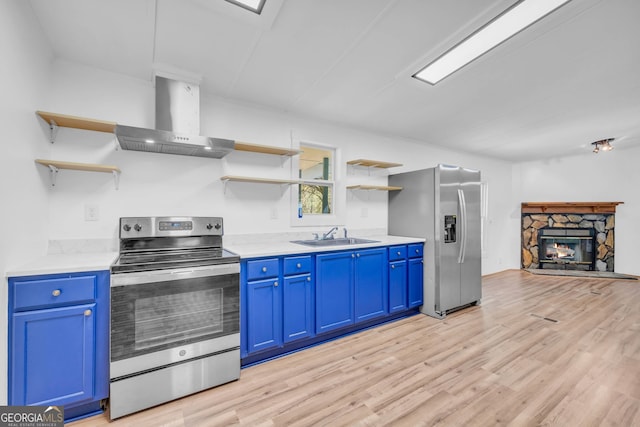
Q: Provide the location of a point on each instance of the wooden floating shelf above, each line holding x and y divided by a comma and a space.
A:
79, 166
373, 163
228, 178
264, 149
569, 207
66, 121
55, 165
374, 187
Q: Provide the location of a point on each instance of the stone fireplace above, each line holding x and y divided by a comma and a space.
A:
568, 236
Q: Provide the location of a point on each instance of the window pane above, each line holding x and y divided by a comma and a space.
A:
316, 163
316, 199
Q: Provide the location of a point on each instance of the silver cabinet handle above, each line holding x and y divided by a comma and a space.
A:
275, 284
417, 251
308, 279
393, 266
87, 313
399, 253
358, 255
299, 265
56, 293
353, 255
264, 269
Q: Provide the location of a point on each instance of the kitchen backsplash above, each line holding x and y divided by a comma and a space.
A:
75, 246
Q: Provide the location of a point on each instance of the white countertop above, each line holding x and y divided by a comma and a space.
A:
285, 247
65, 263
96, 261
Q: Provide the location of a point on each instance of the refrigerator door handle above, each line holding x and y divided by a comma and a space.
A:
463, 221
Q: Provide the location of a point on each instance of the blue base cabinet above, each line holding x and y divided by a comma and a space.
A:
406, 274
294, 301
334, 291
397, 286
277, 302
265, 323
297, 319
371, 284
416, 275
59, 341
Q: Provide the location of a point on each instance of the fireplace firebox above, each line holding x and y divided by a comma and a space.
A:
567, 248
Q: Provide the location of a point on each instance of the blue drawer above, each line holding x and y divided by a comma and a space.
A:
397, 253
297, 265
262, 268
416, 250
31, 294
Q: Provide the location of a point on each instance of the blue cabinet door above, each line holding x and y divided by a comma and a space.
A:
334, 291
397, 286
264, 315
416, 277
298, 307
53, 359
371, 286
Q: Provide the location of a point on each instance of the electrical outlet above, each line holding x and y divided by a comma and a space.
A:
91, 212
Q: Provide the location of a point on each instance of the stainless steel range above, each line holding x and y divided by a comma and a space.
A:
175, 311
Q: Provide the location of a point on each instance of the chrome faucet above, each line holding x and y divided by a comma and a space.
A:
329, 234
346, 233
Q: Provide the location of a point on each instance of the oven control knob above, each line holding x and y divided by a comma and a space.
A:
137, 227
209, 226
218, 226
126, 227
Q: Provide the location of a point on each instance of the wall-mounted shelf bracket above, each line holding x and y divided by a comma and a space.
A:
116, 178
53, 174
53, 130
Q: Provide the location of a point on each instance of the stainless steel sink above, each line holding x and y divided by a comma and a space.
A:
334, 242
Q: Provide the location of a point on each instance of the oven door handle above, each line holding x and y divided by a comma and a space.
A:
140, 277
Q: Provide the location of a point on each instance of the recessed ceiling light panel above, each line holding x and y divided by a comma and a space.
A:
252, 5
509, 23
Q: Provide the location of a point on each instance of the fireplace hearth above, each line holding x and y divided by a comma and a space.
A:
568, 236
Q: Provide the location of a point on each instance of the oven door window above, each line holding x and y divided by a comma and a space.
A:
155, 316
166, 319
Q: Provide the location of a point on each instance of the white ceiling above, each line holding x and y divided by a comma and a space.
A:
568, 80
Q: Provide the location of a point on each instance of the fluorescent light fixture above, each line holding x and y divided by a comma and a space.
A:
506, 25
149, 141
207, 148
252, 5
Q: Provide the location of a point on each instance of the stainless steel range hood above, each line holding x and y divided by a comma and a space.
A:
177, 125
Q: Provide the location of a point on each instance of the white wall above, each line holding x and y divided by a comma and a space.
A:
605, 177
155, 184
24, 86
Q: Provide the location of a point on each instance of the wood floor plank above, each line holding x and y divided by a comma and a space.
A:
500, 363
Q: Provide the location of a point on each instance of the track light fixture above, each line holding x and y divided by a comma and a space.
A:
604, 145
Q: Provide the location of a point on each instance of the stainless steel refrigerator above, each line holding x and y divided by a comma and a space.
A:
442, 205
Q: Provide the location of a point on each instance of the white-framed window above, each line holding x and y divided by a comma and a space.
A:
316, 200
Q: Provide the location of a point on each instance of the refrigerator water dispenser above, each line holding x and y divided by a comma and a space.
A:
449, 228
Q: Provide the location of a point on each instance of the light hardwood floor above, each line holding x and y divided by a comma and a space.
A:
500, 363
